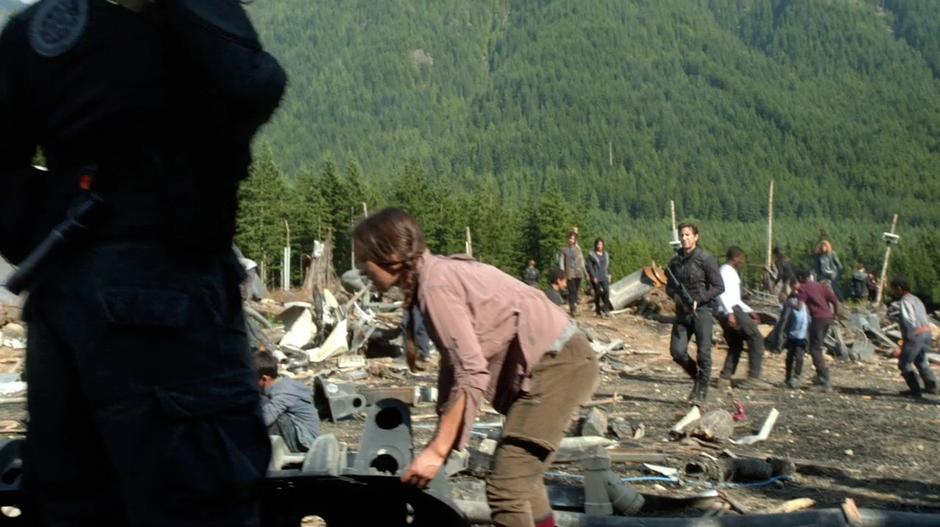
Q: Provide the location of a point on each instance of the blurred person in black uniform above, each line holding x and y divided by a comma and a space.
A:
143, 399
698, 282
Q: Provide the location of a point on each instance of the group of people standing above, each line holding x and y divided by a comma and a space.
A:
703, 292
572, 269
827, 268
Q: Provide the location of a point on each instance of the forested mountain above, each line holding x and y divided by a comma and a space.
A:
625, 103
522, 118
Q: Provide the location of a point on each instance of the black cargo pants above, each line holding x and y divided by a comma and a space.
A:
685, 326
143, 401
746, 331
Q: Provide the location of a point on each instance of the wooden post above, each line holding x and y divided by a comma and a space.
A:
672, 213
262, 268
884, 264
352, 243
468, 244
285, 262
674, 242
770, 225
285, 270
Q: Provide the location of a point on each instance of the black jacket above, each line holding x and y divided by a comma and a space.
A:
162, 104
785, 272
698, 272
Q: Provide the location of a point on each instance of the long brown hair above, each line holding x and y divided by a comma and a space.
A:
393, 236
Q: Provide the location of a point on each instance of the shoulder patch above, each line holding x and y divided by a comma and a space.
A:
57, 26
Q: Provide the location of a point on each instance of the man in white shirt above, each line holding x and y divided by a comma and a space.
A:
739, 323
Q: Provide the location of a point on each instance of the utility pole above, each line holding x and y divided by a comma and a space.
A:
610, 153
468, 243
770, 225
285, 263
891, 239
352, 242
674, 243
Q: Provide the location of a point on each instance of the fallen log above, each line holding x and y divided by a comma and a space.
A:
792, 506
479, 512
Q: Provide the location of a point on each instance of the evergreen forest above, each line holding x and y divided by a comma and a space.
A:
522, 118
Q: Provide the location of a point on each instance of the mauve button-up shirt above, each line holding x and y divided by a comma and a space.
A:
490, 328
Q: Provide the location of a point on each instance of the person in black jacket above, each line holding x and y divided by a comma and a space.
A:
699, 283
143, 399
598, 268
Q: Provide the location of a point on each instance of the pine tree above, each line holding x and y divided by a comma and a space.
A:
262, 211
547, 220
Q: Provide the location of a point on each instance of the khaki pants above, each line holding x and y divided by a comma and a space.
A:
534, 428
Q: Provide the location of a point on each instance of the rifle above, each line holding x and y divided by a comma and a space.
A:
684, 294
55, 244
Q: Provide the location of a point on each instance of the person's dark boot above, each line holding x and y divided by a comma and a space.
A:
930, 380
699, 395
931, 388
798, 367
913, 385
794, 382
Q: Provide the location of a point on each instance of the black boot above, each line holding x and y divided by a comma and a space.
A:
699, 395
930, 380
931, 388
913, 384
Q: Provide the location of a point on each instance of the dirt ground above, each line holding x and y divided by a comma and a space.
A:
872, 445
860, 441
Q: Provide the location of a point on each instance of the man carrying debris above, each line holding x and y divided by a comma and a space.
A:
915, 327
823, 306
694, 282
557, 286
143, 400
287, 406
739, 324
499, 339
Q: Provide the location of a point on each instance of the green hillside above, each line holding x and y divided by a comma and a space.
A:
625, 103
521, 118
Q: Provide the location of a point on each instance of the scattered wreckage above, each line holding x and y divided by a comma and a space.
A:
326, 339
